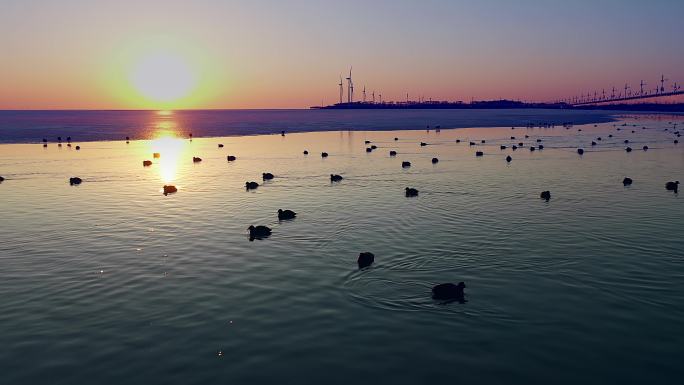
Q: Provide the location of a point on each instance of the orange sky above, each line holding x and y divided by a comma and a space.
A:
267, 54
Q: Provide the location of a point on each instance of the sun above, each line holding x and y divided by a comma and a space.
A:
163, 77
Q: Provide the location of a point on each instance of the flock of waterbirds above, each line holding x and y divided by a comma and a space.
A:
443, 292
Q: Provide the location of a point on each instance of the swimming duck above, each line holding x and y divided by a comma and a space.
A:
628, 149
541, 146
580, 151
324, 154
393, 153
471, 143
368, 149
156, 155
514, 147
231, 158
196, 159
593, 143
335, 178
367, 142
435, 160
672, 186
411, 192
479, 153
645, 148
258, 232
423, 144
147, 163
306, 152
1, 179
251, 185
75, 180
546, 195
78, 148
169, 189
220, 145
373, 147
627, 181
503, 147
365, 259
449, 291
509, 159
286, 214
267, 176
405, 164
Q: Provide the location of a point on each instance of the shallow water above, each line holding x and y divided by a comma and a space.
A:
112, 282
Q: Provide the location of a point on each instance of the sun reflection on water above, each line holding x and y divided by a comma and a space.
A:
170, 147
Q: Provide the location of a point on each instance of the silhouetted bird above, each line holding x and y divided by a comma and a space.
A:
1, 179
367, 142
368, 149
527, 136
503, 147
580, 151
267, 175
645, 148
335, 178
449, 291
676, 141
411, 192
231, 158
251, 185
127, 138
75, 180
541, 146
479, 153
147, 163
509, 159
546, 195
306, 152
610, 136
286, 214
396, 138
593, 143
628, 149
520, 144
422, 144
599, 138
393, 153
538, 140
627, 181
196, 159
365, 259
220, 145
483, 141
514, 147
435, 160
471, 143
512, 137
324, 154
78, 147
258, 232
156, 155
532, 148
405, 164
626, 141
282, 133
672, 186
169, 189
373, 147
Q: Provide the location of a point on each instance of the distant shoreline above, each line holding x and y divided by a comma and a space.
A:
25, 126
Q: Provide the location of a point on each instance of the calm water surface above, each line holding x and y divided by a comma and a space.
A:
112, 282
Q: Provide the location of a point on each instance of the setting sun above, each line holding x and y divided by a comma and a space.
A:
163, 77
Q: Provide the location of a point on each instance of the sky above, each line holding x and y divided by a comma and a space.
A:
92, 54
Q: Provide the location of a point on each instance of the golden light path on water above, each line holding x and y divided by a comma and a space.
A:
169, 146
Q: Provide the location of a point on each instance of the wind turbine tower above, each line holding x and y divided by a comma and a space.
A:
341, 89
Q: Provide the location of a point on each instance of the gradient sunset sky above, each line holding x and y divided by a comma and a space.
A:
89, 54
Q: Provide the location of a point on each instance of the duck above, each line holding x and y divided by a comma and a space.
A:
539, 140
286, 214
368, 149
628, 149
672, 186
423, 144
156, 155
435, 160
2, 179
392, 153
258, 232
580, 151
306, 152
396, 138
335, 178
267, 176
458, 140
75, 180
541, 146
626, 141
367, 142
365, 259
503, 147
220, 145
546, 195
147, 163
78, 148
471, 143
593, 143
405, 164
509, 159
512, 137
251, 185
373, 147
479, 153
324, 154
449, 291
627, 181
411, 192
196, 159
514, 147
169, 189
599, 138
483, 141
231, 158
532, 148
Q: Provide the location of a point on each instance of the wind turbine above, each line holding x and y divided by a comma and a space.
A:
662, 83
364, 94
341, 89
350, 87
642, 84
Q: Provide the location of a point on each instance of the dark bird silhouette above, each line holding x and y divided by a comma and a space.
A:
422, 144
672, 186
676, 141
75, 180
405, 164
78, 148
503, 147
267, 176
324, 154
220, 145
514, 147
393, 153
282, 133
286, 214
169, 189
645, 148
479, 153
411, 192
580, 151
435, 160
335, 178
610, 135
483, 141
538, 140
512, 137
471, 143
626, 141
231, 158
306, 152
628, 149
449, 292
541, 146
593, 143
627, 181
365, 259
251, 185
396, 138
373, 147
196, 159
1, 179
532, 148
368, 149
458, 140
509, 159
367, 142
147, 163
546, 195
258, 232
